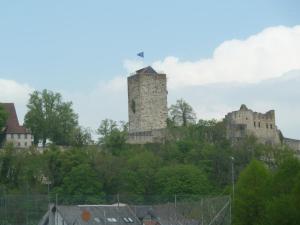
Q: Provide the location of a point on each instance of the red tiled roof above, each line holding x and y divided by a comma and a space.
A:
12, 123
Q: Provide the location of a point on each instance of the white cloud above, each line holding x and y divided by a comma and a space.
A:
12, 91
268, 54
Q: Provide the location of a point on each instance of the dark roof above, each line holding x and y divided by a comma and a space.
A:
100, 214
12, 124
147, 69
243, 107
165, 214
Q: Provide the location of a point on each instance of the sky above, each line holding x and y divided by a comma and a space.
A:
227, 52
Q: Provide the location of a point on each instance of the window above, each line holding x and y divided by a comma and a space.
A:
112, 220
267, 126
19, 136
19, 144
258, 124
25, 143
254, 124
25, 136
12, 136
271, 126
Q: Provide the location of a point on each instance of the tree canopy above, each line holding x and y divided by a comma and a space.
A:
181, 113
49, 118
3, 117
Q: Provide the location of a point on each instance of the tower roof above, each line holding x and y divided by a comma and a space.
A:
12, 124
147, 69
243, 107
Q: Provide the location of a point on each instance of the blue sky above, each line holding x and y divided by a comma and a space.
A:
73, 44
85, 50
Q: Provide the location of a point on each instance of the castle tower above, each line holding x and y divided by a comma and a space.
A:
147, 106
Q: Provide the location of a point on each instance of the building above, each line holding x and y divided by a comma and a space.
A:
246, 122
90, 214
147, 106
14, 133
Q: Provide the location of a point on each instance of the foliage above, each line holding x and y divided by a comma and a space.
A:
182, 113
3, 117
182, 179
113, 135
49, 117
195, 159
250, 201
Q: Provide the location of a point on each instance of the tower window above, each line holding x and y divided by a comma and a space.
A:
258, 124
267, 126
132, 106
271, 126
254, 123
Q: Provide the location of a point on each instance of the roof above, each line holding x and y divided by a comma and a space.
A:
165, 214
12, 124
98, 215
147, 69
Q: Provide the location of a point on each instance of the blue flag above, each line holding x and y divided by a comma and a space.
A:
141, 54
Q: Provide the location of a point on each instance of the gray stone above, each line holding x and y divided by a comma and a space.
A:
147, 106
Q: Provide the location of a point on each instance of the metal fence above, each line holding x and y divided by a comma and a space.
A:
176, 209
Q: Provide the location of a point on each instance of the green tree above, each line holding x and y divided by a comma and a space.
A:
113, 135
49, 118
82, 137
250, 196
283, 205
182, 113
182, 179
139, 177
81, 184
3, 117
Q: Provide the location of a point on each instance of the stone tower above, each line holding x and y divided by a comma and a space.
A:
147, 106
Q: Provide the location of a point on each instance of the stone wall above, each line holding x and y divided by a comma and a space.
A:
246, 122
147, 103
293, 144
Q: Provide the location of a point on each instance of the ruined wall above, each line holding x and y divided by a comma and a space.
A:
246, 122
147, 105
293, 144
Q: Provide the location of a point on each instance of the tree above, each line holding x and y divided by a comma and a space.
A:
113, 135
49, 117
82, 137
250, 197
182, 113
283, 206
3, 117
81, 184
182, 179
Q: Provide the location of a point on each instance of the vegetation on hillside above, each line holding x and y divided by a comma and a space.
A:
195, 159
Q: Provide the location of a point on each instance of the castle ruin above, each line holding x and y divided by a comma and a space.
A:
246, 122
147, 106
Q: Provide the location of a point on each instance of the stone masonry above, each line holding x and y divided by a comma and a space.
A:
262, 125
147, 106
246, 122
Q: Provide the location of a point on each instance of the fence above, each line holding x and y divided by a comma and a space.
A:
176, 209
